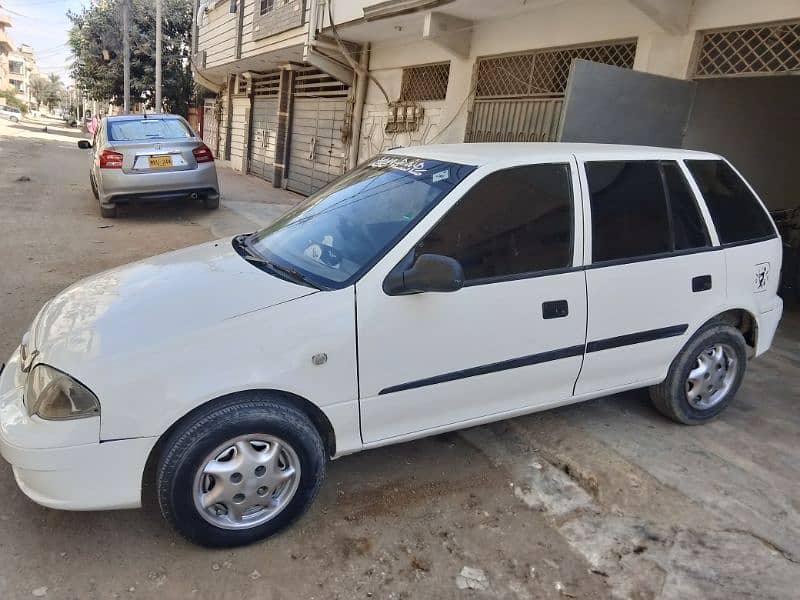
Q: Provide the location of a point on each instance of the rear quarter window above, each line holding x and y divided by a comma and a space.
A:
737, 214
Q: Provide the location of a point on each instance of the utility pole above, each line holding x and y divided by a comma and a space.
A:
159, 18
126, 54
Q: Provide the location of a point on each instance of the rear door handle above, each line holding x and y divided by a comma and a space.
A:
555, 309
701, 283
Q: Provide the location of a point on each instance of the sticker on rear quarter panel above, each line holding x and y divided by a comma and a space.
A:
761, 277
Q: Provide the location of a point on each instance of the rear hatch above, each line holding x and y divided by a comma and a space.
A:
153, 145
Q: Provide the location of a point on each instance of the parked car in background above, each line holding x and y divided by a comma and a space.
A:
149, 158
11, 113
430, 289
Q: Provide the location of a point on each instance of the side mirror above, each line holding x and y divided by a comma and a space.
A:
430, 273
84, 144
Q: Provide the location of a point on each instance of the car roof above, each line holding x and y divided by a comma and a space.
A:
479, 154
143, 116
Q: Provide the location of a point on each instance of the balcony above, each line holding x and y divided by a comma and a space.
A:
5, 43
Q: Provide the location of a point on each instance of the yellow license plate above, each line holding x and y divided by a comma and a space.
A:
160, 162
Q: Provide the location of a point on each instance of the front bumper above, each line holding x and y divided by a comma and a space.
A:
56, 466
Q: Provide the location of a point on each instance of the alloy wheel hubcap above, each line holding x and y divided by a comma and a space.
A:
246, 481
712, 377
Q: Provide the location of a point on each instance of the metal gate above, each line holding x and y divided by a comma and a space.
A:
211, 125
520, 97
317, 152
264, 125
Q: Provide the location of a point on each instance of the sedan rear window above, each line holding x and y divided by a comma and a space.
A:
148, 129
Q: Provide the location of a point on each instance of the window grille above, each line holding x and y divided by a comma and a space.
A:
772, 49
266, 6
313, 83
267, 84
544, 72
427, 82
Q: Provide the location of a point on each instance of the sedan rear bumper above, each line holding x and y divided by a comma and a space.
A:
116, 186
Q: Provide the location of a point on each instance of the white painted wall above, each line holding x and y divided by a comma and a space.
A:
569, 22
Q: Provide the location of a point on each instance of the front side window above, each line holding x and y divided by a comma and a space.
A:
736, 212
512, 222
629, 210
341, 231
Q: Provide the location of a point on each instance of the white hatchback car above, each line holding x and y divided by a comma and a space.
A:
430, 289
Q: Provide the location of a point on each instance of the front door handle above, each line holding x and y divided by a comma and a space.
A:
701, 283
555, 309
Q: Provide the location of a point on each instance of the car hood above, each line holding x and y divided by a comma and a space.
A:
141, 305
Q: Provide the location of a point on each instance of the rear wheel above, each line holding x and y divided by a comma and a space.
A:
240, 471
108, 212
704, 377
211, 203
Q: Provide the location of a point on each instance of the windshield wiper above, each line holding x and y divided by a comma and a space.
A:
251, 256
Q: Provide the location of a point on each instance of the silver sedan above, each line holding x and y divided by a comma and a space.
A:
144, 158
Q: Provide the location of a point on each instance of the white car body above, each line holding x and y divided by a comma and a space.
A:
9, 112
157, 338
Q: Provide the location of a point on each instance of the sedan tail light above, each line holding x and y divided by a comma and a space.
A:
110, 160
203, 154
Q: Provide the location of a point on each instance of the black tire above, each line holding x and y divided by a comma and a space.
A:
94, 188
190, 444
670, 396
211, 203
108, 212
14, 120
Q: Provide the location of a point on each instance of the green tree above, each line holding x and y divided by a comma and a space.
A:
96, 44
48, 91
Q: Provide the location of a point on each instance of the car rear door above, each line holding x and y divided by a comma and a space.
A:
652, 276
512, 339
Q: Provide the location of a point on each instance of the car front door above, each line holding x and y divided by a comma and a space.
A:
651, 276
511, 339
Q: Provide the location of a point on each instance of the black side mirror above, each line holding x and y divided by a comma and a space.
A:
430, 273
84, 144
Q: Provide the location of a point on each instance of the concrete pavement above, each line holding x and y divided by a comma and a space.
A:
602, 499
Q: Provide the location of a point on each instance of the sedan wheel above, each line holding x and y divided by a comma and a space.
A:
712, 377
704, 377
246, 481
240, 469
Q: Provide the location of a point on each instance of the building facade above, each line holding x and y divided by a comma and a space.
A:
6, 48
301, 100
18, 66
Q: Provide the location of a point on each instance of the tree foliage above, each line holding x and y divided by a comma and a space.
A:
96, 41
48, 91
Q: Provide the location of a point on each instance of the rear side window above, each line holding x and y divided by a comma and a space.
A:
511, 222
147, 129
737, 214
629, 210
687, 222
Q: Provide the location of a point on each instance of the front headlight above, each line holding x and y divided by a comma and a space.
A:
54, 395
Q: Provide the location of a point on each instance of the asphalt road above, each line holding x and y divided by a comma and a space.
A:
592, 501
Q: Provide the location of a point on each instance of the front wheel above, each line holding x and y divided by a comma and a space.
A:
240, 471
704, 377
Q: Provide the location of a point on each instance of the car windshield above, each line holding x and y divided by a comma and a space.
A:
147, 129
335, 235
